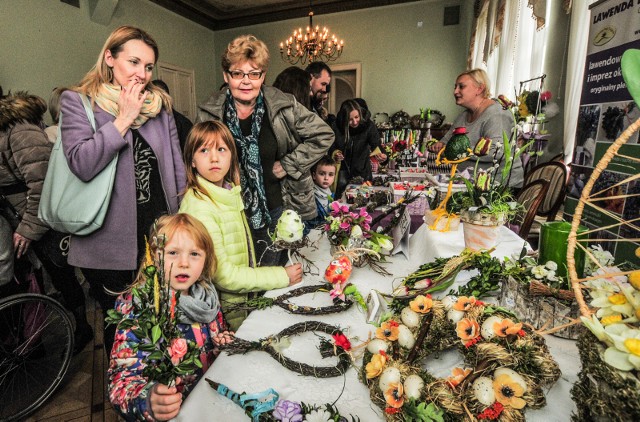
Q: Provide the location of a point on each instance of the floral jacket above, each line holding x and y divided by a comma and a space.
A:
129, 391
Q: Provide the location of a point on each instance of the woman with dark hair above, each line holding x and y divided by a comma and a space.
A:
278, 141
295, 81
133, 122
356, 138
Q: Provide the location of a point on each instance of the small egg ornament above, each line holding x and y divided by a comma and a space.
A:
405, 337
449, 301
410, 318
487, 330
389, 376
290, 227
339, 270
376, 345
454, 315
413, 385
483, 390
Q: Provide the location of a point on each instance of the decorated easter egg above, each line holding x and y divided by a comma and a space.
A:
413, 385
410, 318
405, 337
483, 390
290, 227
454, 315
376, 345
389, 376
487, 330
339, 270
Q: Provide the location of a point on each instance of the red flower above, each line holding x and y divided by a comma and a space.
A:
342, 341
522, 333
492, 413
392, 410
545, 96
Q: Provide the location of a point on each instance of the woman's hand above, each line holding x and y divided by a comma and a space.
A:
20, 244
295, 273
278, 171
130, 103
338, 156
165, 402
436, 146
381, 157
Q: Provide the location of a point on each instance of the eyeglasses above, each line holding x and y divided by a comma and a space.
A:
239, 74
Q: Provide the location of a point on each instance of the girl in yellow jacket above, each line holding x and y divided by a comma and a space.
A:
213, 197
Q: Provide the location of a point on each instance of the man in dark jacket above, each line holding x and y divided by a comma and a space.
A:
320, 86
183, 124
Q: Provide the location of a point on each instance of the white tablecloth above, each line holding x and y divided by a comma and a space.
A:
257, 371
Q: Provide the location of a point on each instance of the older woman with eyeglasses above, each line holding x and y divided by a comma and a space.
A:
278, 141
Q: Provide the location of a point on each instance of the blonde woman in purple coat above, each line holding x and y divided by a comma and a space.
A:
133, 121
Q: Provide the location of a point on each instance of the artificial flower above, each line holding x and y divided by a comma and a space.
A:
338, 291
482, 147
177, 350
457, 376
492, 412
421, 304
464, 303
376, 365
318, 415
624, 354
611, 319
388, 331
506, 327
467, 329
539, 271
395, 395
342, 341
423, 284
508, 392
288, 411
634, 279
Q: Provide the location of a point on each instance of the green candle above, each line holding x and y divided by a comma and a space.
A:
553, 246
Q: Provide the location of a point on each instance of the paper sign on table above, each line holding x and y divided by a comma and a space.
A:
400, 234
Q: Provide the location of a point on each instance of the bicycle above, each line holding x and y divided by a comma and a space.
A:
36, 347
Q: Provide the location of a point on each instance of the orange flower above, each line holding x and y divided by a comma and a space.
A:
388, 331
457, 376
421, 304
375, 366
508, 392
464, 303
394, 395
467, 329
506, 327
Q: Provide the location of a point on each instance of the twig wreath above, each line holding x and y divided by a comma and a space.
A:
506, 363
282, 301
275, 343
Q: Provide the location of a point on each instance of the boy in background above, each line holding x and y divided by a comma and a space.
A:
323, 174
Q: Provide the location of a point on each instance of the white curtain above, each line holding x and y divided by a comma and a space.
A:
578, 40
508, 44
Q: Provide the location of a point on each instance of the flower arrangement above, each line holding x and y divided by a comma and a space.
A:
506, 365
153, 319
353, 229
532, 104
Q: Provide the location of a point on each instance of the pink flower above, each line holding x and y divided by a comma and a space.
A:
338, 291
177, 350
545, 96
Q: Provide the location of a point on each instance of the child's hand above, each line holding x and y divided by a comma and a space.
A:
165, 402
295, 273
224, 337
338, 156
436, 146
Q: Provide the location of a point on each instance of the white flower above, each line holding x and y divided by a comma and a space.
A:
625, 352
552, 265
539, 272
551, 276
318, 416
356, 232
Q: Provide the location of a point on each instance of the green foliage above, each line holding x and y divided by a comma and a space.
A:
488, 280
421, 412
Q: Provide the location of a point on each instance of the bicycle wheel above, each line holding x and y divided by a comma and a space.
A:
36, 345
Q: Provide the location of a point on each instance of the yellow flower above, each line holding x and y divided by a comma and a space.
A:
611, 319
634, 277
421, 304
147, 253
467, 329
508, 392
633, 344
388, 331
464, 303
156, 293
523, 110
457, 376
617, 299
394, 395
375, 367
506, 327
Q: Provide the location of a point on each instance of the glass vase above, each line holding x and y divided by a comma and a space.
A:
553, 246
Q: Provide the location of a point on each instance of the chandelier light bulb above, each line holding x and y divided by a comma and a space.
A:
312, 45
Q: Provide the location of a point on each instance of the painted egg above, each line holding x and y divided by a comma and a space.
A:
454, 315
516, 377
389, 376
487, 327
376, 345
449, 301
483, 391
405, 337
410, 318
413, 385
339, 270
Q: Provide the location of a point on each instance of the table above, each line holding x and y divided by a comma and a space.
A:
258, 371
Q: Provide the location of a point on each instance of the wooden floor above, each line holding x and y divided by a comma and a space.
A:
82, 394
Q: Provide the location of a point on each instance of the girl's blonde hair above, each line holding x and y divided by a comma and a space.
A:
208, 133
101, 73
246, 48
166, 226
481, 79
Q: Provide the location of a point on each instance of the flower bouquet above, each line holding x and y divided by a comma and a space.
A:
152, 318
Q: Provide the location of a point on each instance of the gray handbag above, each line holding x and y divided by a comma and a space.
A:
68, 204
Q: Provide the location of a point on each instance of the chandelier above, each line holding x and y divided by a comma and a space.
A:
314, 45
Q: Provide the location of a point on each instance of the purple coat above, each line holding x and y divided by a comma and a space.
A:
114, 245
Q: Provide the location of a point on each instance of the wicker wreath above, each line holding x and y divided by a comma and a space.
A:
506, 363
327, 349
